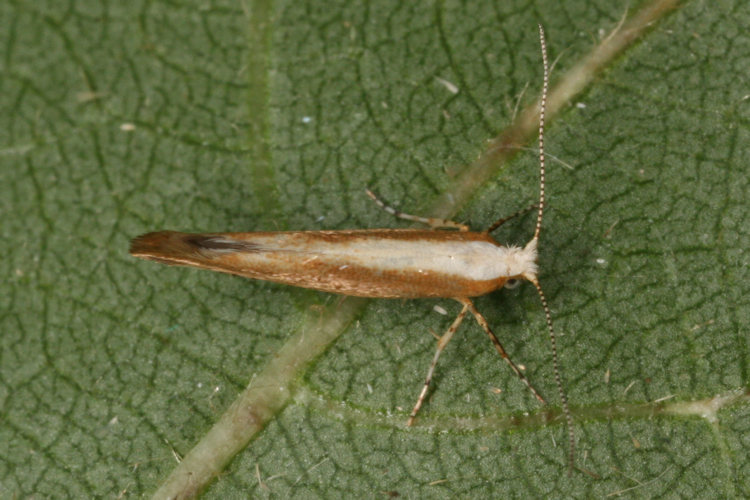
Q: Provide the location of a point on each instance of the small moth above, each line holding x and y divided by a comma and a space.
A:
382, 263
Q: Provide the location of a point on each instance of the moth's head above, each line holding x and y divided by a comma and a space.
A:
519, 263
530, 252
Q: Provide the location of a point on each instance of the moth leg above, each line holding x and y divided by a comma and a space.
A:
442, 342
486, 327
502, 221
432, 222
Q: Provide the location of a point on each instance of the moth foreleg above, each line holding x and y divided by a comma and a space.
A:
502, 221
499, 347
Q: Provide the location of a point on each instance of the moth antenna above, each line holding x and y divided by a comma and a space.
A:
558, 379
547, 314
542, 110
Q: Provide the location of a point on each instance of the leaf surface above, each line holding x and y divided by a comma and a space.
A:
125, 118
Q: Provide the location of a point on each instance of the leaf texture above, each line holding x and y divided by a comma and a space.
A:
123, 118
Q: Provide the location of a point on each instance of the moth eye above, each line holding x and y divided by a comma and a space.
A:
511, 283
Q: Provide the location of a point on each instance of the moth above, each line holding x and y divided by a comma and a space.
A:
382, 263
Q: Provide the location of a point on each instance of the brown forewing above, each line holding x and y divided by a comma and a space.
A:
232, 252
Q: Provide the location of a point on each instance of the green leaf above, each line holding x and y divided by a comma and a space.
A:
122, 118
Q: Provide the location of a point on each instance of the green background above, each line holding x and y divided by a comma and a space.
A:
120, 118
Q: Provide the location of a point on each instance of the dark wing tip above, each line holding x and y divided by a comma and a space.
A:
153, 244
172, 247
167, 247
